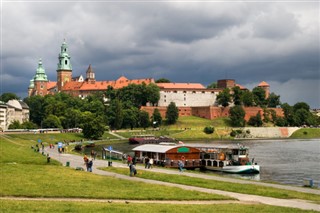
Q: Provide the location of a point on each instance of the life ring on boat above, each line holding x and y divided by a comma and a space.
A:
183, 158
222, 156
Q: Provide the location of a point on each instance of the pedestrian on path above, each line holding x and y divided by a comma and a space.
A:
90, 163
133, 170
180, 164
86, 161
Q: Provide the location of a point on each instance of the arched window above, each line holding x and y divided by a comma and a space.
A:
65, 62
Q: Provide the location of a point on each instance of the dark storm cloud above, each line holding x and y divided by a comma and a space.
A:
182, 41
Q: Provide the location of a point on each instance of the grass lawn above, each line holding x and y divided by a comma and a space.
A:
9, 206
306, 133
213, 184
26, 173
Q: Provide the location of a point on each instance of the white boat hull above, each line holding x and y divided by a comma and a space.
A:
242, 169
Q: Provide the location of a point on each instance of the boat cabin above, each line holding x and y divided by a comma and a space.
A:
224, 155
168, 155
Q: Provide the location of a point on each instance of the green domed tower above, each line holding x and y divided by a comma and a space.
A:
40, 80
64, 70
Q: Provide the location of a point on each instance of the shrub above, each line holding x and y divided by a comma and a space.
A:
208, 129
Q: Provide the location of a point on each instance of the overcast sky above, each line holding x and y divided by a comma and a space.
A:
200, 42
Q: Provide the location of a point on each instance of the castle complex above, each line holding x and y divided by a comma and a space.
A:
191, 98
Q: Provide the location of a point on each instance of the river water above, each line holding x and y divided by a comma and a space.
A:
286, 161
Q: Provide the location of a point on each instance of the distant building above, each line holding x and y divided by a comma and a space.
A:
76, 86
186, 95
11, 111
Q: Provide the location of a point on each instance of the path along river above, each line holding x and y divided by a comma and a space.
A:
286, 161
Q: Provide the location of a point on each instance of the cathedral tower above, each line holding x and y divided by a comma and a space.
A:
64, 70
39, 81
90, 75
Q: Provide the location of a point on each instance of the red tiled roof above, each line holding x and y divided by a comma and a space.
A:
51, 84
98, 85
241, 87
72, 85
180, 85
263, 84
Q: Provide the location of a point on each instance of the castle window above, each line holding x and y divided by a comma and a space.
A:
65, 62
203, 91
175, 91
193, 91
184, 91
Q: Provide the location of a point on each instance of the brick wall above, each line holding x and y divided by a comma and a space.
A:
211, 112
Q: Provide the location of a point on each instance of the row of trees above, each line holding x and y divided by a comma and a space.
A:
296, 115
113, 109
256, 97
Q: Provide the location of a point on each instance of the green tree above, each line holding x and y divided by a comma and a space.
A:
288, 114
172, 113
213, 85
247, 98
52, 121
224, 97
255, 120
72, 118
144, 119
153, 94
130, 118
301, 105
273, 100
237, 114
259, 96
115, 114
15, 125
5, 97
94, 126
28, 125
236, 95
36, 108
163, 80
156, 118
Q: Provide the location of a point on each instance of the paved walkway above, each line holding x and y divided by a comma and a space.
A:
77, 161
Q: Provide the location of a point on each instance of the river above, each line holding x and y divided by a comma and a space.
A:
285, 161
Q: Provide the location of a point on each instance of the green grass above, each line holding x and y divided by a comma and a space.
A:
220, 185
306, 133
197, 123
28, 174
9, 206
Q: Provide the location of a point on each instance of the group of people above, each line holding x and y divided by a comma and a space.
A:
148, 162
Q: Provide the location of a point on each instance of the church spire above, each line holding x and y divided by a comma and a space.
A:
64, 58
41, 73
90, 74
64, 70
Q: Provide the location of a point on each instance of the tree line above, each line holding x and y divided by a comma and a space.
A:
296, 115
100, 111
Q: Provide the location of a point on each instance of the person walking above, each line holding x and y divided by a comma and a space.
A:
150, 165
133, 170
86, 161
90, 163
180, 165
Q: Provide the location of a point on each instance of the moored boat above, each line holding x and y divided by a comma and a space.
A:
149, 139
231, 159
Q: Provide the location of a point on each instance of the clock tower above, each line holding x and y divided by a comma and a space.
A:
64, 70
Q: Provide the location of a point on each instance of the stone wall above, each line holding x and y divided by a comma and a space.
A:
211, 112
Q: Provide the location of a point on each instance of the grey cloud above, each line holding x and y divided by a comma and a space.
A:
185, 42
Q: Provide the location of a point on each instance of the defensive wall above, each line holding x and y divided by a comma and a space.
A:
211, 112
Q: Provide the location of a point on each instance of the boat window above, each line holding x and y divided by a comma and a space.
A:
242, 152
